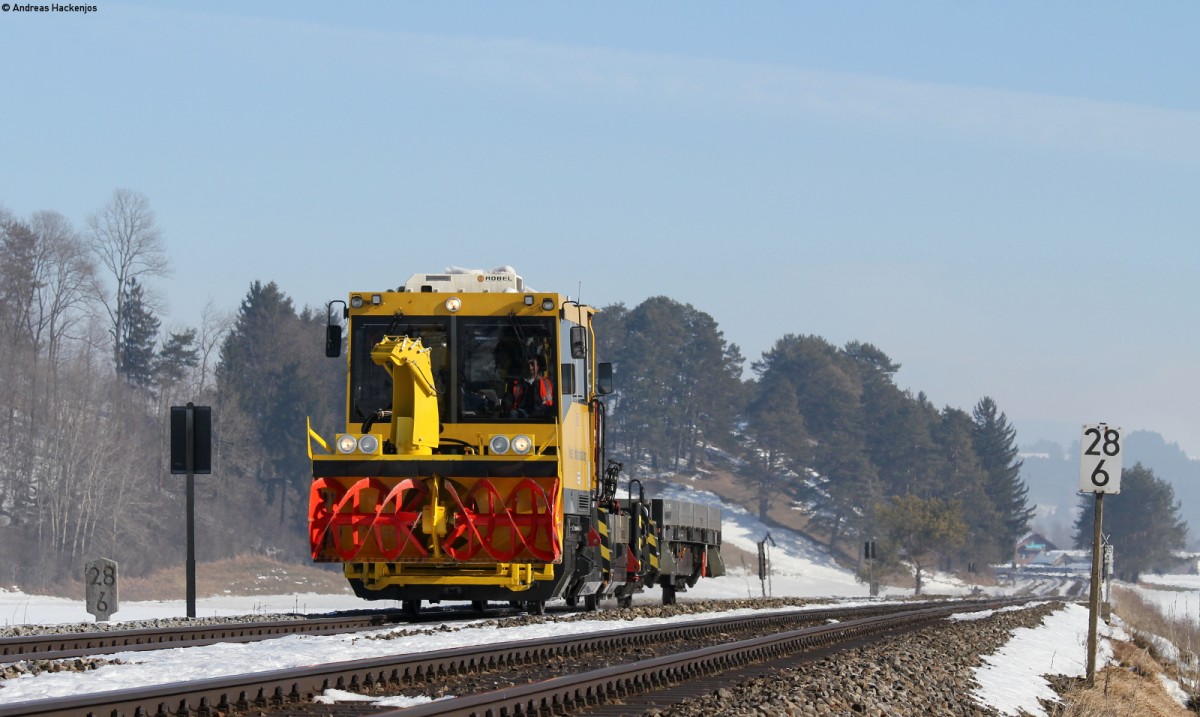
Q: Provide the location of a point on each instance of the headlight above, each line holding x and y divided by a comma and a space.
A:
498, 444
453, 304
346, 443
368, 444
522, 445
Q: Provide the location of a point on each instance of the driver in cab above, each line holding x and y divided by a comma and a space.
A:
531, 395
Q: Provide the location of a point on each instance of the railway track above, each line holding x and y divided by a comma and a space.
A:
531, 663
62, 646
632, 688
84, 644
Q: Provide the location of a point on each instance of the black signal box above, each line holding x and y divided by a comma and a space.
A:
201, 439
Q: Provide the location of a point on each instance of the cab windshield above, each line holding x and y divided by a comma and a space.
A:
485, 369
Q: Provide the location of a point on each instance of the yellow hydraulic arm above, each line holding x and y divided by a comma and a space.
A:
414, 398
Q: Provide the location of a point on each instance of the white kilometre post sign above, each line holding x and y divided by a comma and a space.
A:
1100, 459
1099, 473
101, 588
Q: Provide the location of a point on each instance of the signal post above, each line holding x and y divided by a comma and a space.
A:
191, 453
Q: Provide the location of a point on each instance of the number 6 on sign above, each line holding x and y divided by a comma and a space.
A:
1100, 459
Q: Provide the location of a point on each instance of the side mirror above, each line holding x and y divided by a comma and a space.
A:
333, 330
604, 379
578, 342
333, 340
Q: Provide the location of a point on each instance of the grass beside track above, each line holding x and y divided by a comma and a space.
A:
1161, 646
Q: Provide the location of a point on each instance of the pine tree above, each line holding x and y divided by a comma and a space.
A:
897, 429
271, 377
829, 389
1142, 523
139, 329
961, 481
178, 354
900, 438
778, 449
677, 380
996, 446
18, 280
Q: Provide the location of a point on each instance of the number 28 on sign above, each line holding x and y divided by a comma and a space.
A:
1100, 459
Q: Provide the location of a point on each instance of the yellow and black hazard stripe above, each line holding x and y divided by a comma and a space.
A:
651, 539
605, 542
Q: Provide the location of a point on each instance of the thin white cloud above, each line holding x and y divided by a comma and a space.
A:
676, 83
646, 81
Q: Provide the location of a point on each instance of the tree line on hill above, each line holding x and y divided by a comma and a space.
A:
821, 428
825, 430
87, 378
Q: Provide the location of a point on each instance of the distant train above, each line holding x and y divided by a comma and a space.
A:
473, 466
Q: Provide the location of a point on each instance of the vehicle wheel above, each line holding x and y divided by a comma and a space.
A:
626, 601
535, 607
412, 608
590, 603
668, 594
571, 601
479, 605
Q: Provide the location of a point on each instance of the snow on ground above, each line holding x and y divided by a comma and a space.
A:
1010, 680
161, 666
801, 568
19, 609
1012, 675
1176, 596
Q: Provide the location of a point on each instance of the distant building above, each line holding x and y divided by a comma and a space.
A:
1073, 560
1030, 547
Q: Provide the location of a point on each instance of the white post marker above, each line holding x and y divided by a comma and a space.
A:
1100, 459
1099, 473
101, 588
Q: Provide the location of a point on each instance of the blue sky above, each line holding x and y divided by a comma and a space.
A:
1001, 196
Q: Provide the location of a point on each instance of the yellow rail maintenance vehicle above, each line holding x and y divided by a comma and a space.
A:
472, 466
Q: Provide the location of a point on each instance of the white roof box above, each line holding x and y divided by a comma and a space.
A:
460, 281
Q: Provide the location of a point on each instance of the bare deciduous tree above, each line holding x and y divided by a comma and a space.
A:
65, 281
214, 326
129, 245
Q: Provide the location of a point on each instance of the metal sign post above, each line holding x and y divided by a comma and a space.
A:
1099, 473
191, 453
869, 554
1105, 612
764, 562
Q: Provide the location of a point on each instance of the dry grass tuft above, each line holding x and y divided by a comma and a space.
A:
1136, 659
1133, 686
1119, 692
1177, 635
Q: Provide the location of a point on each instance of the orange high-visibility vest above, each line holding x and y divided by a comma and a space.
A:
544, 396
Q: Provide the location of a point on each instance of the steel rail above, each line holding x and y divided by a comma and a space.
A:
62, 646
80, 644
562, 695
278, 687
